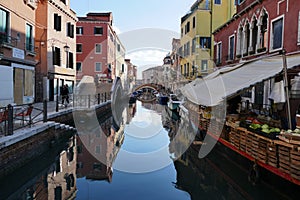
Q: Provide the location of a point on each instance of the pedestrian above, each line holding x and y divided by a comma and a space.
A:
65, 94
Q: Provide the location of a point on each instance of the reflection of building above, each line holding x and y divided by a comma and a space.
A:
63, 171
91, 156
131, 74
17, 51
56, 47
97, 151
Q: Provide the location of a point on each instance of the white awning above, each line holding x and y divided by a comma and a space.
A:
228, 81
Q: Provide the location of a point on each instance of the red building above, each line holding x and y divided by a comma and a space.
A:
95, 46
258, 28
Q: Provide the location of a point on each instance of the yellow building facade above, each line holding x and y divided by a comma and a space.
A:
196, 41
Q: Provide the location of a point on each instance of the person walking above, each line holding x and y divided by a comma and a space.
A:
65, 95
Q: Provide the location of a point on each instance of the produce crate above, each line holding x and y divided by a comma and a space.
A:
295, 164
234, 138
243, 139
284, 157
249, 139
262, 150
272, 155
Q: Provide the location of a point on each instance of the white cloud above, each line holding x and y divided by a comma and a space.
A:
146, 58
116, 29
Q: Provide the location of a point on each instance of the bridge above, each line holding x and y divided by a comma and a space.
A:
148, 95
148, 85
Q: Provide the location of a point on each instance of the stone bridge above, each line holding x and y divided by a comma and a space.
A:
148, 85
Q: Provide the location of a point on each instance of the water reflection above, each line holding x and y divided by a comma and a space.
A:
52, 176
86, 165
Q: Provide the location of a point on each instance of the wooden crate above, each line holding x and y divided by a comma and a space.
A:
295, 164
234, 138
262, 150
272, 155
284, 158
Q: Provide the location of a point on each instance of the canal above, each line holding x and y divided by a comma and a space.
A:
146, 155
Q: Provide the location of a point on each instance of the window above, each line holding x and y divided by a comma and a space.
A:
254, 36
64, 1
98, 48
98, 67
194, 45
70, 30
98, 149
219, 53
204, 66
71, 60
277, 28
218, 2
188, 27
56, 56
194, 22
79, 30
98, 30
231, 48
57, 22
246, 42
58, 193
4, 23
119, 47
123, 68
263, 34
239, 45
29, 38
79, 67
238, 2
97, 166
79, 48
205, 42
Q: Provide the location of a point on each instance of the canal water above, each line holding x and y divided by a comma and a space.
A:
146, 155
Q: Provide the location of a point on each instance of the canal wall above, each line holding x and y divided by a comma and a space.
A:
27, 144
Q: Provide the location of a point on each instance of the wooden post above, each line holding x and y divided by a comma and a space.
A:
45, 111
10, 119
286, 86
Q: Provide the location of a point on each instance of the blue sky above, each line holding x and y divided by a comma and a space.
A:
139, 21
136, 14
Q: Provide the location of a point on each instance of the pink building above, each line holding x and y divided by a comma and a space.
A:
95, 46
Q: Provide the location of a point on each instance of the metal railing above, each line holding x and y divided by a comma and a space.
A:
14, 117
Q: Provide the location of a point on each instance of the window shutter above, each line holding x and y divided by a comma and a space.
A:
55, 21
59, 23
68, 29
72, 31
71, 60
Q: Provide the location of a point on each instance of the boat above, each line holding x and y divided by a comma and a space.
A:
173, 102
162, 99
132, 99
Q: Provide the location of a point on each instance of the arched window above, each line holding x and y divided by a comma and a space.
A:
246, 42
263, 31
254, 32
239, 42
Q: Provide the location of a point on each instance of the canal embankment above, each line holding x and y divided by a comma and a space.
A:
30, 142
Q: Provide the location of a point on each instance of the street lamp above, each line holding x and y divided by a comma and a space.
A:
67, 48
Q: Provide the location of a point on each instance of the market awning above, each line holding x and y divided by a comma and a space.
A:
228, 81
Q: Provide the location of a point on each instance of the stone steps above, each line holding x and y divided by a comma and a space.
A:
64, 126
